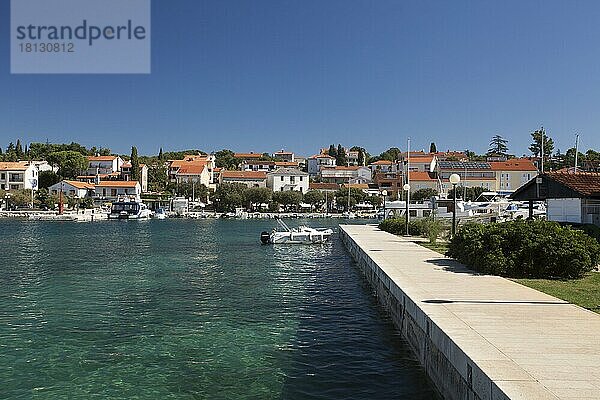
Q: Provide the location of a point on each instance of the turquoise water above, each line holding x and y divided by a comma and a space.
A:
190, 309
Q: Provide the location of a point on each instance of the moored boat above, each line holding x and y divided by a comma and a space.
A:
299, 235
129, 209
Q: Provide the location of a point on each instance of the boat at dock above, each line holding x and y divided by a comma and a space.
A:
129, 209
299, 235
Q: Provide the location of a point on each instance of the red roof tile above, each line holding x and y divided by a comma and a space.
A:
244, 175
125, 184
586, 183
516, 164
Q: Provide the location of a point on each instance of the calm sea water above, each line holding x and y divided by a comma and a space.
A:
190, 309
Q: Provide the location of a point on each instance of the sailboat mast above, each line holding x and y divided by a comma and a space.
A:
576, 151
348, 188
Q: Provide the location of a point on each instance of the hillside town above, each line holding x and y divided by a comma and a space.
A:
333, 179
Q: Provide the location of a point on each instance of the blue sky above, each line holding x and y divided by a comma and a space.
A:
265, 75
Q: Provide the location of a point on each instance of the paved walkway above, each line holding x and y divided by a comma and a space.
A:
531, 345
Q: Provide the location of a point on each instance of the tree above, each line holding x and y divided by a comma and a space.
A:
190, 190
315, 198
363, 155
102, 151
356, 196
288, 198
225, 159
19, 150
20, 198
423, 194
157, 177
257, 195
536, 146
568, 160
332, 151
340, 158
160, 155
498, 145
228, 196
432, 148
473, 193
375, 201
391, 154
47, 179
592, 155
135, 165
11, 154
69, 163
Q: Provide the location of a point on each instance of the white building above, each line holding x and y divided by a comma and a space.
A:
194, 173
352, 174
318, 161
126, 175
284, 179
75, 189
248, 178
384, 166
258, 165
283, 155
113, 190
104, 165
21, 174
183, 170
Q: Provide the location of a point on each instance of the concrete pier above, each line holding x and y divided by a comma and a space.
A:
479, 336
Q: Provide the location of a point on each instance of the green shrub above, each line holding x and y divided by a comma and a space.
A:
525, 249
426, 227
589, 229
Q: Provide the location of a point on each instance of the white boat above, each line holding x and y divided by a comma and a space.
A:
160, 214
300, 235
348, 215
129, 209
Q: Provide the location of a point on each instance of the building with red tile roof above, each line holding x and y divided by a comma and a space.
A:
248, 178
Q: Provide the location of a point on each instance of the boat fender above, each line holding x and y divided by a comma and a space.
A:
264, 237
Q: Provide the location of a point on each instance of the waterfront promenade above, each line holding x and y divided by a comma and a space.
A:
480, 336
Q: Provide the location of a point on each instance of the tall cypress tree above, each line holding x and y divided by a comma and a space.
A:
19, 149
341, 155
135, 165
332, 152
160, 155
432, 148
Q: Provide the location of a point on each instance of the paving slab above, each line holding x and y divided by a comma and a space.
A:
529, 344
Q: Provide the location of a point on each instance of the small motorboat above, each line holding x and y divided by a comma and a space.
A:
299, 235
160, 214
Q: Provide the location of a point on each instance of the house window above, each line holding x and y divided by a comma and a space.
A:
282, 179
292, 179
16, 178
113, 192
301, 179
3, 176
2, 186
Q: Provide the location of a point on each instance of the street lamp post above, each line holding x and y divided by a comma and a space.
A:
384, 194
406, 188
454, 180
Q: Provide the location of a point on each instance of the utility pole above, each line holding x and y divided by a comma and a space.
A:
576, 151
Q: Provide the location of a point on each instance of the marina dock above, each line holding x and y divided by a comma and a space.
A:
479, 336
